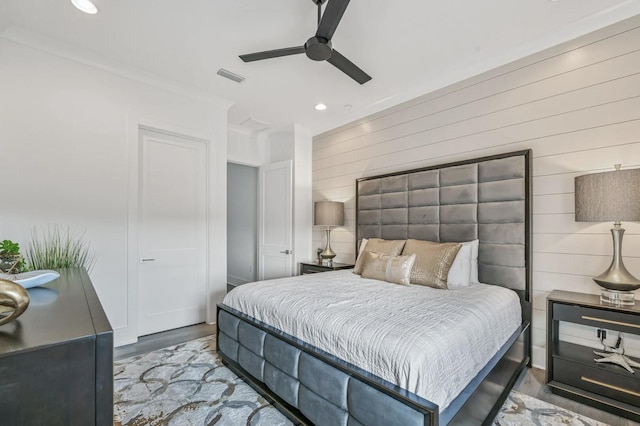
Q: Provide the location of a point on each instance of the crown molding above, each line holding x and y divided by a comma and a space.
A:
54, 47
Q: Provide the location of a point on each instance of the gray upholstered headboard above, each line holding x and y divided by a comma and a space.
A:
486, 199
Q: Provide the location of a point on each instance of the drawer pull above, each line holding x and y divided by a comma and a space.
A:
606, 385
626, 324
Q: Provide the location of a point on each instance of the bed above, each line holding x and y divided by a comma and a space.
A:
315, 377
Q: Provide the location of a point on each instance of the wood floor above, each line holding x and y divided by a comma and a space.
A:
156, 341
531, 382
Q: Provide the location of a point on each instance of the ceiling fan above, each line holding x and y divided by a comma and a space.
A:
319, 47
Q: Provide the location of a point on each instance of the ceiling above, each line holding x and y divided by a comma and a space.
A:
409, 47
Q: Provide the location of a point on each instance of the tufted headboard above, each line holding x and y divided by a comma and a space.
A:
487, 198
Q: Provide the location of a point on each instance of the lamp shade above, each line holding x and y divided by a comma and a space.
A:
608, 197
328, 213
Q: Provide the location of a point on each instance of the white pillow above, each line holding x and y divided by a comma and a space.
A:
362, 244
464, 269
460, 270
475, 245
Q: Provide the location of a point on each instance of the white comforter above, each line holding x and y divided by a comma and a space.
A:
430, 342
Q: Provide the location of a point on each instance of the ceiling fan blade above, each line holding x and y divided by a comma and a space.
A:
333, 12
348, 67
268, 54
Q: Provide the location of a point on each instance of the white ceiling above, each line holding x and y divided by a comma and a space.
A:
409, 47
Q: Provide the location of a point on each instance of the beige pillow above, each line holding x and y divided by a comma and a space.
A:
394, 269
388, 247
433, 261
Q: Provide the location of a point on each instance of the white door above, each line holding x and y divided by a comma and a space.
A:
172, 228
275, 221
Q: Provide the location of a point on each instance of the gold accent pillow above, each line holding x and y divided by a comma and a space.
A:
388, 247
433, 261
394, 269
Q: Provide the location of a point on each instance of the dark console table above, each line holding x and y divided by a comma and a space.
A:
56, 360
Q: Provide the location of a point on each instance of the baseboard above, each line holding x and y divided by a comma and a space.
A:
234, 280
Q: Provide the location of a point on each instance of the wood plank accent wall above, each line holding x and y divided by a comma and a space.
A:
576, 105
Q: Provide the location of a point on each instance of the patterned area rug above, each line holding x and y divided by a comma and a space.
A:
187, 384
523, 410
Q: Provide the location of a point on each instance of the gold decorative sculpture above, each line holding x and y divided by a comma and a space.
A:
14, 300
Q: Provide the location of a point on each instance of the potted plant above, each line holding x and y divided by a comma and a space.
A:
11, 261
58, 248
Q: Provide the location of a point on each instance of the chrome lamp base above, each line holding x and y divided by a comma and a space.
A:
328, 254
617, 282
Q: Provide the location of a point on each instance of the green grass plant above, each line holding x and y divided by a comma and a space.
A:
58, 248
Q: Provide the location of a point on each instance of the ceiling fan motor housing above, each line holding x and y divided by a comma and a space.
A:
318, 48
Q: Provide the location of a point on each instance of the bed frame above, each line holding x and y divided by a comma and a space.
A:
487, 199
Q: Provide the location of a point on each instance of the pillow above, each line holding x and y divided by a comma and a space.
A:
475, 245
363, 243
433, 261
394, 269
388, 247
461, 272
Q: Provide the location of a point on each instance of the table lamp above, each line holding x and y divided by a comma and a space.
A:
611, 197
328, 213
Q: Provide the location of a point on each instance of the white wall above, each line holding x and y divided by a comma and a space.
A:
303, 199
4, 15
245, 147
280, 144
67, 133
576, 105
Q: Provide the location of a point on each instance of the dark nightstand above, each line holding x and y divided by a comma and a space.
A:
571, 370
314, 267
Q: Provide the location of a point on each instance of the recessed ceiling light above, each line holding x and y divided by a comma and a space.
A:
321, 107
86, 6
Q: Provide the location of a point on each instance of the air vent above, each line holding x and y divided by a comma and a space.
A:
255, 125
230, 75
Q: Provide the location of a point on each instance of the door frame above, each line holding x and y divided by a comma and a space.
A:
129, 331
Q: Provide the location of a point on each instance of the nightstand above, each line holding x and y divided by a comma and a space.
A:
571, 369
314, 267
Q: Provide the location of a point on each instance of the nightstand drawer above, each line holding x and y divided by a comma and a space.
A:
597, 317
598, 381
314, 268
308, 269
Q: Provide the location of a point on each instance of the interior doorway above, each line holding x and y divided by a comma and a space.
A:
242, 224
